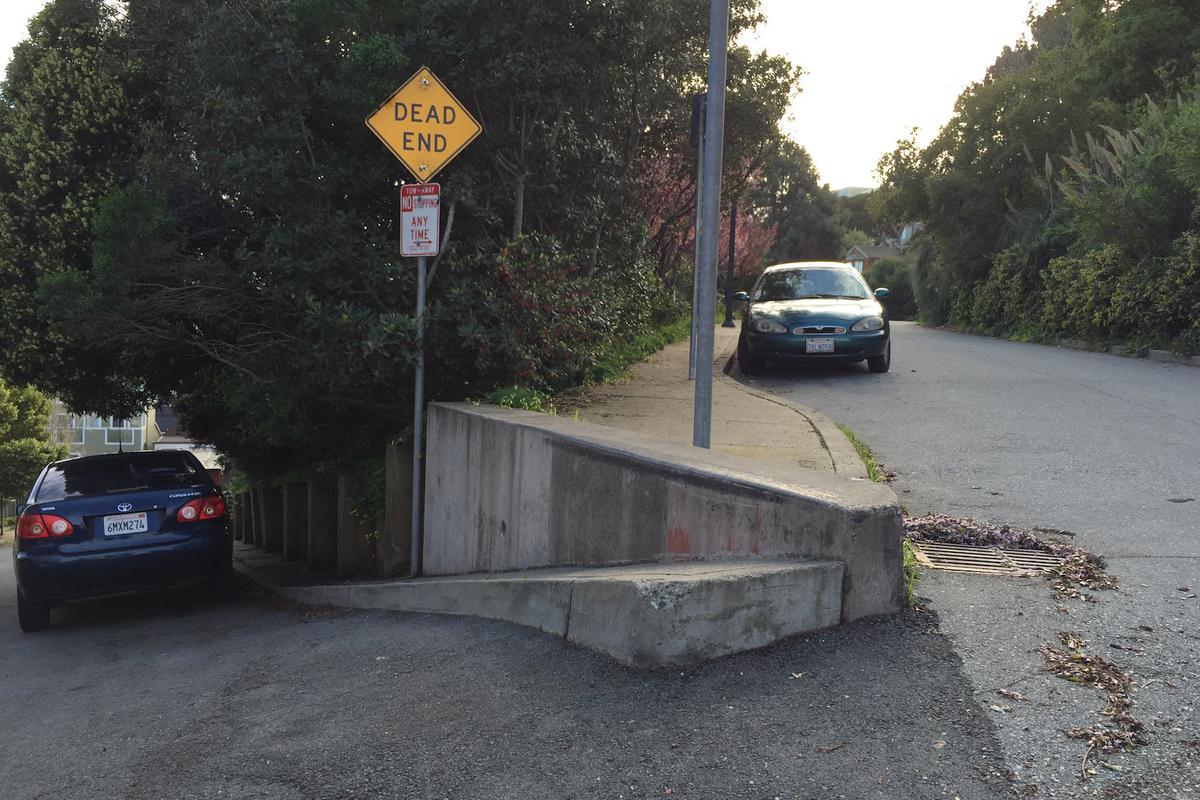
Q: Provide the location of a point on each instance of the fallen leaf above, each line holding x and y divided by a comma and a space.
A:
832, 747
939, 744
1001, 709
1011, 695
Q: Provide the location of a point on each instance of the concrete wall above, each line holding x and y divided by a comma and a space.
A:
322, 520
254, 519
295, 520
509, 490
355, 553
395, 535
271, 514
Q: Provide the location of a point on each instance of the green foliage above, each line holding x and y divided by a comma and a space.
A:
912, 573
1063, 197
895, 274
522, 398
874, 471
25, 445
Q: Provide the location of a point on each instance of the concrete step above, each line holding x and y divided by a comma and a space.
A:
646, 615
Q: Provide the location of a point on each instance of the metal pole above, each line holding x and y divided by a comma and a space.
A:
714, 146
696, 262
733, 212
696, 139
418, 470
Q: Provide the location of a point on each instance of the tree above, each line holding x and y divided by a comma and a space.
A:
1057, 198
25, 445
237, 255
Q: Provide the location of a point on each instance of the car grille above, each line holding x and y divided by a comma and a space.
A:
818, 329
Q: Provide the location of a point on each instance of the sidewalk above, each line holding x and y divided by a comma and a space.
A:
657, 400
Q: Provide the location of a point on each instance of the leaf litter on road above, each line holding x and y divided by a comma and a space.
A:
1079, 569
1125, 731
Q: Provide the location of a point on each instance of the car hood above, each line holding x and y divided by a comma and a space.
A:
818, 309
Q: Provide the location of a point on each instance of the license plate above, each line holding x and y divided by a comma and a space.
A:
120, 524
818, 345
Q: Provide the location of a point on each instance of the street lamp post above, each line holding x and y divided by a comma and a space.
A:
710, 219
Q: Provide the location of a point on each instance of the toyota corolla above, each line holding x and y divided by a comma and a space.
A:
118, 523
815, 311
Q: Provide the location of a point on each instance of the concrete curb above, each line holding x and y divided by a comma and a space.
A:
846, 461
652, 616
1159, 356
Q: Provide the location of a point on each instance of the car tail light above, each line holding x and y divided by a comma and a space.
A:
43, 526
202, 508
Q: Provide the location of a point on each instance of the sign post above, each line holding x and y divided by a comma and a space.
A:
426, 127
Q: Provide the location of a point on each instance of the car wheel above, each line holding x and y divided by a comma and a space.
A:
881, 362
32, 615
749, 363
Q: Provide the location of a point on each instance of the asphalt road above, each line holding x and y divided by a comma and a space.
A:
1099, 445
175, 696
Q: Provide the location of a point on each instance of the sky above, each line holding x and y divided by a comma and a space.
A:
876, 69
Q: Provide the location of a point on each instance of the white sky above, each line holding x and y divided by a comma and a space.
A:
875, 68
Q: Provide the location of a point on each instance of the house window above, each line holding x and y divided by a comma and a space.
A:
858, 265
121, 436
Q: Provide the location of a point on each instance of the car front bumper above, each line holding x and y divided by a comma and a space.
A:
790, 346
45, 574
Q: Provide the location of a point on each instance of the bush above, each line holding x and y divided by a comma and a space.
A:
895, 274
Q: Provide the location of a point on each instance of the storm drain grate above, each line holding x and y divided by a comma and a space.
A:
984, 560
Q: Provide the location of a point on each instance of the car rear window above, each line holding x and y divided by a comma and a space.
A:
120, 473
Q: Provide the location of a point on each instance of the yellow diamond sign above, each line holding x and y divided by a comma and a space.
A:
424, 125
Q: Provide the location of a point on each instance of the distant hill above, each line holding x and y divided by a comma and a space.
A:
853, 191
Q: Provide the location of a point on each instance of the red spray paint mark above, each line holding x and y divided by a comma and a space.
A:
757, 521
754, 548
678, 542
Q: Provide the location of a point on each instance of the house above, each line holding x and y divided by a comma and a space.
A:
173, 439
90, 435
861, 257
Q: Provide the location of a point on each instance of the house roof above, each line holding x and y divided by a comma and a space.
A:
873, 251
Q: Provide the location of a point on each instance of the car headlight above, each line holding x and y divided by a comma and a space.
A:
768, 325
868, 324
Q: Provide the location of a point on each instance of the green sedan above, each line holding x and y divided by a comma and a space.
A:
813, 311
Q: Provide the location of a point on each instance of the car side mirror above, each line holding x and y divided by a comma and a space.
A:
21, 508
742, 297
881, 293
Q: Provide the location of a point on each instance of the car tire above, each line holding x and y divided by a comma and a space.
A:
32, 615
883, 361
748, 363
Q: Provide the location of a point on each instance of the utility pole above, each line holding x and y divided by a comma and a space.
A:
710, 221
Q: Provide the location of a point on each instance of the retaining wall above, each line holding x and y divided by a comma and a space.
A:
509, 490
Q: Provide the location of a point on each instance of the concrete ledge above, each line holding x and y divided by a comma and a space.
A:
649, 615
509, 490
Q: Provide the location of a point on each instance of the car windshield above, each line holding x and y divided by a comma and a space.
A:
798, 284
120, 473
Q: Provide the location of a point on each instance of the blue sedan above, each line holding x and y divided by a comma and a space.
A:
814, 311
118, 523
